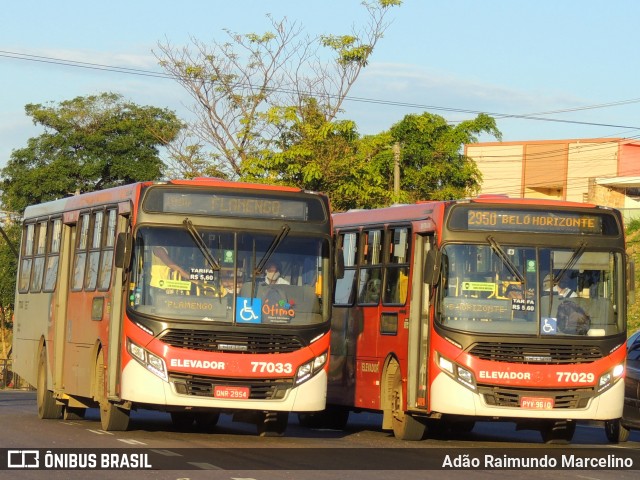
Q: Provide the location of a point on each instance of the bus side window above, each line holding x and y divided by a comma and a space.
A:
27, 260
38, 261
80, 255
106, 261
345, 286
397, 267
94, 251
53, 256
370, 285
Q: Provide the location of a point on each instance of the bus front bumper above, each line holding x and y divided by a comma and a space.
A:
142, 387
450, 397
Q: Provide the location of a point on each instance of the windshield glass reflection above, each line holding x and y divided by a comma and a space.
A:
174, 277
552, 291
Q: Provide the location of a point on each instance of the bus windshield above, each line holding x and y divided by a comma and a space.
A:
516, 290
230, 277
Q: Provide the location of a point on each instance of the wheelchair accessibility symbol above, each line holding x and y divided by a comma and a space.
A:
549, 326
248, 310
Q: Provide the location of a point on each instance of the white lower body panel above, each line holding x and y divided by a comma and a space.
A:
141, 386
448, 396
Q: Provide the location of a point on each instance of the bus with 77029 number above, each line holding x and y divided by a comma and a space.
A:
449, 312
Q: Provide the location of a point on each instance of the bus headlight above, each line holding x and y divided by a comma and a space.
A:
609, 378
458, 372
148, 360
309, 369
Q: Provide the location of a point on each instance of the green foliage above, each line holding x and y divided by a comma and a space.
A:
329, 156
310, 152
89, 143
9, 261
315, 154
633, 250
247, 86
633, 226
432, 165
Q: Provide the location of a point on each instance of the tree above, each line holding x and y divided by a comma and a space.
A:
238, 86
8, 259
89, 143
432, 165
316, 154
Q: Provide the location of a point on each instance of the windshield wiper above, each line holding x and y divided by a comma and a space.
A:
284, 231
197, 239
571, 262
497, 249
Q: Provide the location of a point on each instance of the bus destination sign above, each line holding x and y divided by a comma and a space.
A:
527, 221
202, 202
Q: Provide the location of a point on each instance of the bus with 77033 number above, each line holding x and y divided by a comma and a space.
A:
153, 296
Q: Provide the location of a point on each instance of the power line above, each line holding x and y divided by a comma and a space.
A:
86, 65
153, 74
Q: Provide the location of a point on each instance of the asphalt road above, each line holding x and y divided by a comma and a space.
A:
232, 450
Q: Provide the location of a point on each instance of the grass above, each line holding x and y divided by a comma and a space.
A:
633, 250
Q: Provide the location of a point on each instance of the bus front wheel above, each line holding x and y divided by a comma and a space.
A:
272, 424
112, 417
558, 431
47, 406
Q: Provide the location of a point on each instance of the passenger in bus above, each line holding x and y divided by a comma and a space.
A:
272, 274
564, 288
572, 319
513, 291
549, 286
228, 280
163, 267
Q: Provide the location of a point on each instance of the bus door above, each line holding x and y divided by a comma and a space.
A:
58, 318
367, 316
418, 351
88, 303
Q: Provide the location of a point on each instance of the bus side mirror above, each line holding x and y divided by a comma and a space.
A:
339, 264
123, 250
432, 267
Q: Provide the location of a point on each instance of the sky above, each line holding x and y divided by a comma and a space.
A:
569, 67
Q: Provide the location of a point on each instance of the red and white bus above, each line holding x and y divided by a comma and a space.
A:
448, 313
102, 318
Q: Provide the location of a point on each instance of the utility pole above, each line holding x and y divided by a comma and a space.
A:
396, 172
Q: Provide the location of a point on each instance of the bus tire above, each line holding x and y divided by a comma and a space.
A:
405, 427
206, 421
334, 417
272, 424
112, 417
313, 420
558, 431
615, 431
183, 419
48, 408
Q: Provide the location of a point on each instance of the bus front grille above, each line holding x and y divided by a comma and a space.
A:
511, 397
231, 342
538, 354
259, 388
